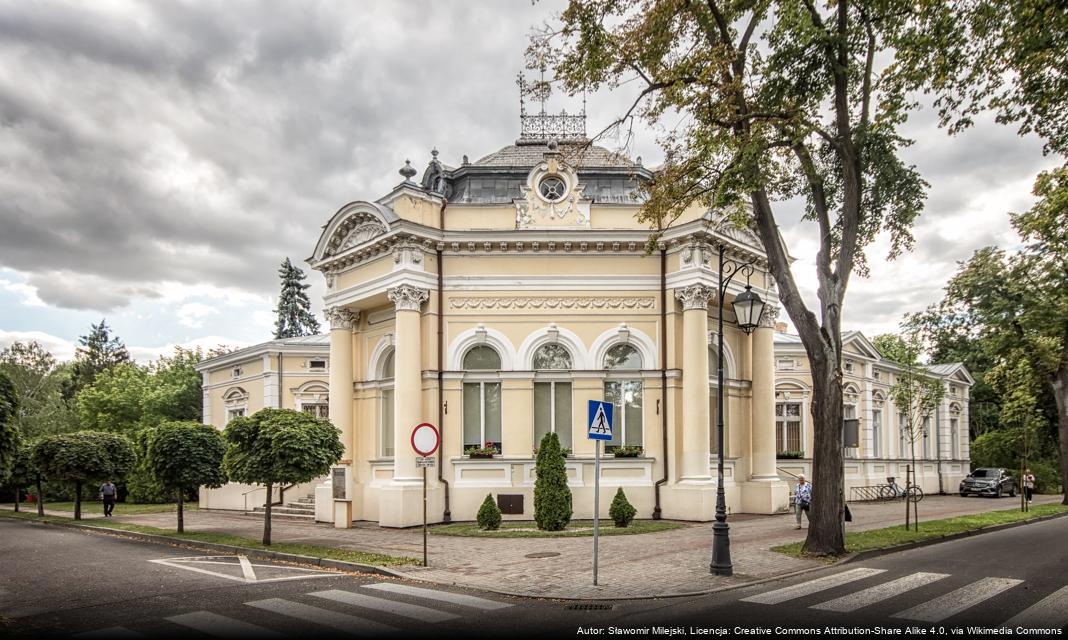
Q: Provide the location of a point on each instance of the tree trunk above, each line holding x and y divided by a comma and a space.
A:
78, 500
18, 493
181, 513
267, 517
40, 498
825, 531
1060, 395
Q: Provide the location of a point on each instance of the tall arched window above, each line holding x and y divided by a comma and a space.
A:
713, 404
954, 431
385, 430
850, 397
482, 398
623, 388
552, 393
878, 401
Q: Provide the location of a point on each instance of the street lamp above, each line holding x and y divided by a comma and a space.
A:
747, 309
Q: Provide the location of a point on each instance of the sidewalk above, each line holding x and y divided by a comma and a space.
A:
668, 563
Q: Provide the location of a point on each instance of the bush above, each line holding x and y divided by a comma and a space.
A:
621, 511
489, 516
552, 497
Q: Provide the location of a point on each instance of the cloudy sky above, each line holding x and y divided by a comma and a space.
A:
159, 160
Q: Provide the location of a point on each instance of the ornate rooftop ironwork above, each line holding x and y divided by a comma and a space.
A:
563, 127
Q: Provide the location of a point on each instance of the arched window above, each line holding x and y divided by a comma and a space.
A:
877, 401
552, 397
954, 430
713, 404
850, 397
624, 390
236, 401
482, 398
386, 423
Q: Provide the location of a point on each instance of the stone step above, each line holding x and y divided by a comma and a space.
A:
287, 511
284, 516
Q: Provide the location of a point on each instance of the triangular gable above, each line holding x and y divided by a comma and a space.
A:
860, 345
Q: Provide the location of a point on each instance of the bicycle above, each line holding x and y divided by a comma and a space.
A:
892, 491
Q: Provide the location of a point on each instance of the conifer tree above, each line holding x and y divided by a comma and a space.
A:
552, 497
98, 352
294, 309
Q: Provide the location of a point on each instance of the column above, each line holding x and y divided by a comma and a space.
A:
408, 379
341, 323
763, 425
694, 466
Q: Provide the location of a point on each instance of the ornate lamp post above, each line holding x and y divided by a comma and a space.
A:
747, 308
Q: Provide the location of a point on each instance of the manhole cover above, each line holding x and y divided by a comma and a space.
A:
542, 554
589, 606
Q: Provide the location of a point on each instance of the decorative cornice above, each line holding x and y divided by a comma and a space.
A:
585, 302
407, 297
694, 297
769, 315
341, 318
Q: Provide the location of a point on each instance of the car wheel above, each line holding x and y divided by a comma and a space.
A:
963, 495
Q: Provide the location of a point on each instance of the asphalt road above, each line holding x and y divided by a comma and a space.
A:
57, 582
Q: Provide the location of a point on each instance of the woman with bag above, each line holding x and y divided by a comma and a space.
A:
802, 498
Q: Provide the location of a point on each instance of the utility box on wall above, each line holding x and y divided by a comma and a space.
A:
511, 504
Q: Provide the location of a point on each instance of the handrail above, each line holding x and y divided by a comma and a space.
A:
245, 495
785, 471
282, 493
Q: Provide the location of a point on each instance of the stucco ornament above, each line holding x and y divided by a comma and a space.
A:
340, 318
694, 297
523, 302
552, 197
407, 297
768, 316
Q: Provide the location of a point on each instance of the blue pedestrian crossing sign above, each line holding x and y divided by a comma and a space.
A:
600, 423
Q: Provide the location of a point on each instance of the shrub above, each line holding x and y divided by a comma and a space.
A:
489, 516
628, 452
621, 511
552, 497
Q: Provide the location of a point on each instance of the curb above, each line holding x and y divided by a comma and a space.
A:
262, 554
875, 553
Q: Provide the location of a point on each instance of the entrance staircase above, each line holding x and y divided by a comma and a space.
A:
301, 509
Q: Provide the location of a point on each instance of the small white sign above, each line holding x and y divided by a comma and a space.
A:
424, 462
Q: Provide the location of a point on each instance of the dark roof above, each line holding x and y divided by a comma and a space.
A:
578, 155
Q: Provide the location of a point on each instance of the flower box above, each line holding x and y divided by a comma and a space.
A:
628, 452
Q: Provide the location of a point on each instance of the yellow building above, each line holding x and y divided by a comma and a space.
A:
493, 299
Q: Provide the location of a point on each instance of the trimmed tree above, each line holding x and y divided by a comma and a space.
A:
621, 511
22, 473
552, 497
9, 434
279, 446
82, 456
489, 515
183, 456
294, 309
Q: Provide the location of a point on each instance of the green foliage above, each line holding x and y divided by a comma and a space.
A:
114, 400
38, 382
9, 433
489, 515
22, 473
99, 351
294, 309
173, 391
280, 446
621, 511
552, 496
83, 456
915, 393
628, 452
185, 455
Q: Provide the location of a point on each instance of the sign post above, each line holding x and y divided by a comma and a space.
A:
599, 428
425, 441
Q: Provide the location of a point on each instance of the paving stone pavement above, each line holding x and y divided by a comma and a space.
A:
660, 564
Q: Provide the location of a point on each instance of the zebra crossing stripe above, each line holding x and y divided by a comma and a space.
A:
880, 592
332, 619
812, 586
402, 609
110, 632
443, 596
214, 624
954, 602
1048, 613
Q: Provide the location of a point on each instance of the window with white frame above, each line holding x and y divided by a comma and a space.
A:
954, 430
482, 398
850, 395
317, 409
623, 389
236, 403
878, 401
385, 422
552, 396
849, 366
877, 375
785, 364
926, 437
905, 448
713, 405
787, 427
235, 372
317, 364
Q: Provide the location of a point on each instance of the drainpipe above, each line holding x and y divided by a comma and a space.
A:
280, 380
663, 378
447, 516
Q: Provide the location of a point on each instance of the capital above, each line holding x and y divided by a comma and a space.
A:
694, 297
768, 316
407, 297
340, 318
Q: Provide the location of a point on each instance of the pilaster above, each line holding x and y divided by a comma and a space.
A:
694, 466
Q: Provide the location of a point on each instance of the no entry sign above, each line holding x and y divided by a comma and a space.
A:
425, 439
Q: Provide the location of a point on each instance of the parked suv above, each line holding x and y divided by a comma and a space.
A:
988, 481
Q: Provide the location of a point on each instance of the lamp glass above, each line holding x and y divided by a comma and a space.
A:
747, 308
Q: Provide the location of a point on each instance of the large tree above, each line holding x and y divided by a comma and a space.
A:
294, 309
9, 433
98, 352
183, 456
279, 446
82, 456
772, 100
114, 401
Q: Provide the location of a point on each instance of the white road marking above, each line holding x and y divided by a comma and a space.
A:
954, 602
879, 593
812, 586
110, 632
404, 609
246, 569
444, 596
220, 626
333, 619
1050, 612
248, 575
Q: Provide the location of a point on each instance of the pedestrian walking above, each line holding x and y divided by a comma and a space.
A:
1029, 484
108, 493
802, 499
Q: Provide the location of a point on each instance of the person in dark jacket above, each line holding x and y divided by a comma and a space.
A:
108, 493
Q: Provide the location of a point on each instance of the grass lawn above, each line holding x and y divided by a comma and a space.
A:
220, 538
121, 508
891, 536
529, 529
